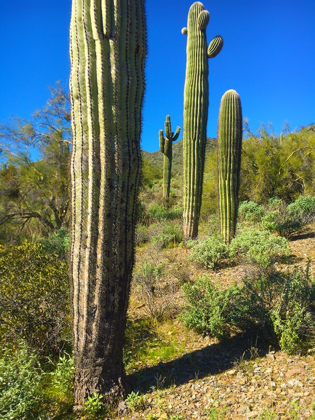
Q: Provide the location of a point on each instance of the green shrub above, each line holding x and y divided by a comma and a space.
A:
277, 221
34, 304
158, 212
250, 211
302, 209
136, 401
293, 316
278, 306
58, 242
170, 235
289, 220
94, 405
63, 374
20, 384
275, 203
146, 278
209, 252
211, 310
175, 213
259, 247
142, 235
272, 221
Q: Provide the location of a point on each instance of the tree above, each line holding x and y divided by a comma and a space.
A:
34, 176
280, 166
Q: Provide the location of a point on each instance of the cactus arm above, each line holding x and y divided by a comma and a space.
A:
215, 46
184, 31
203, 19
229, 161
177, 132
167, 127
161, 141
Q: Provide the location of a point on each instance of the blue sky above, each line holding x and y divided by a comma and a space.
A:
268, 58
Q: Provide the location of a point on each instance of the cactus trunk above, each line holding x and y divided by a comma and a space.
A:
229, 161
167, 150
167, 173
107, 51
196, 98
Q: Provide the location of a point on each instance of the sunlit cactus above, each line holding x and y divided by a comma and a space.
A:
229, 161
108, 50
196, 100
166, 148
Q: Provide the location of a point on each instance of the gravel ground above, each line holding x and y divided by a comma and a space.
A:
235, 379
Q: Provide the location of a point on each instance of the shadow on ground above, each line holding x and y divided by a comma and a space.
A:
211, 360
298, 237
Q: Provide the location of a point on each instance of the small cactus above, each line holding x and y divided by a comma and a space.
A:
229, 161
196, 100
167, 150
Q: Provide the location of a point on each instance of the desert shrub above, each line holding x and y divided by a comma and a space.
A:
211, 310
136, 401
175, 213
259, 247
293, 316
20, 384
146, 279
289, 220
275, 203
302, 209
171, 234
258, 296
158, 212
142, 235
272, 221
277, 221
63, 374
250, 211
58, 242
34, 290
94, 405
278, 306
209, 252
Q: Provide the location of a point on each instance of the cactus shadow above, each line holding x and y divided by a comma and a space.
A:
211, 360
300, 236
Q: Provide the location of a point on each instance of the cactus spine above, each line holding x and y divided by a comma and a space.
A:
107, 51
167, 150
196, 99
229, 161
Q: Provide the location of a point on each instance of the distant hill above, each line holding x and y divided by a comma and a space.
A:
156, 158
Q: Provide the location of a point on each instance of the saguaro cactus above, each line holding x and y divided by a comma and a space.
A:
196, 100
107, 49
167, 150
229, 161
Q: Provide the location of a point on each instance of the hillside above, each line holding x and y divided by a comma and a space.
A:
156, 158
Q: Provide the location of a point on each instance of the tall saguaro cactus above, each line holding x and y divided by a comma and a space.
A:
229, 161
196, 98
167, 150
107, 49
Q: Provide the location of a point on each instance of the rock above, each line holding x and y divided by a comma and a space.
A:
123, 408
293, 372
252, 414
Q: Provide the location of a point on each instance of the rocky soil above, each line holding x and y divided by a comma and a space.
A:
240, 378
